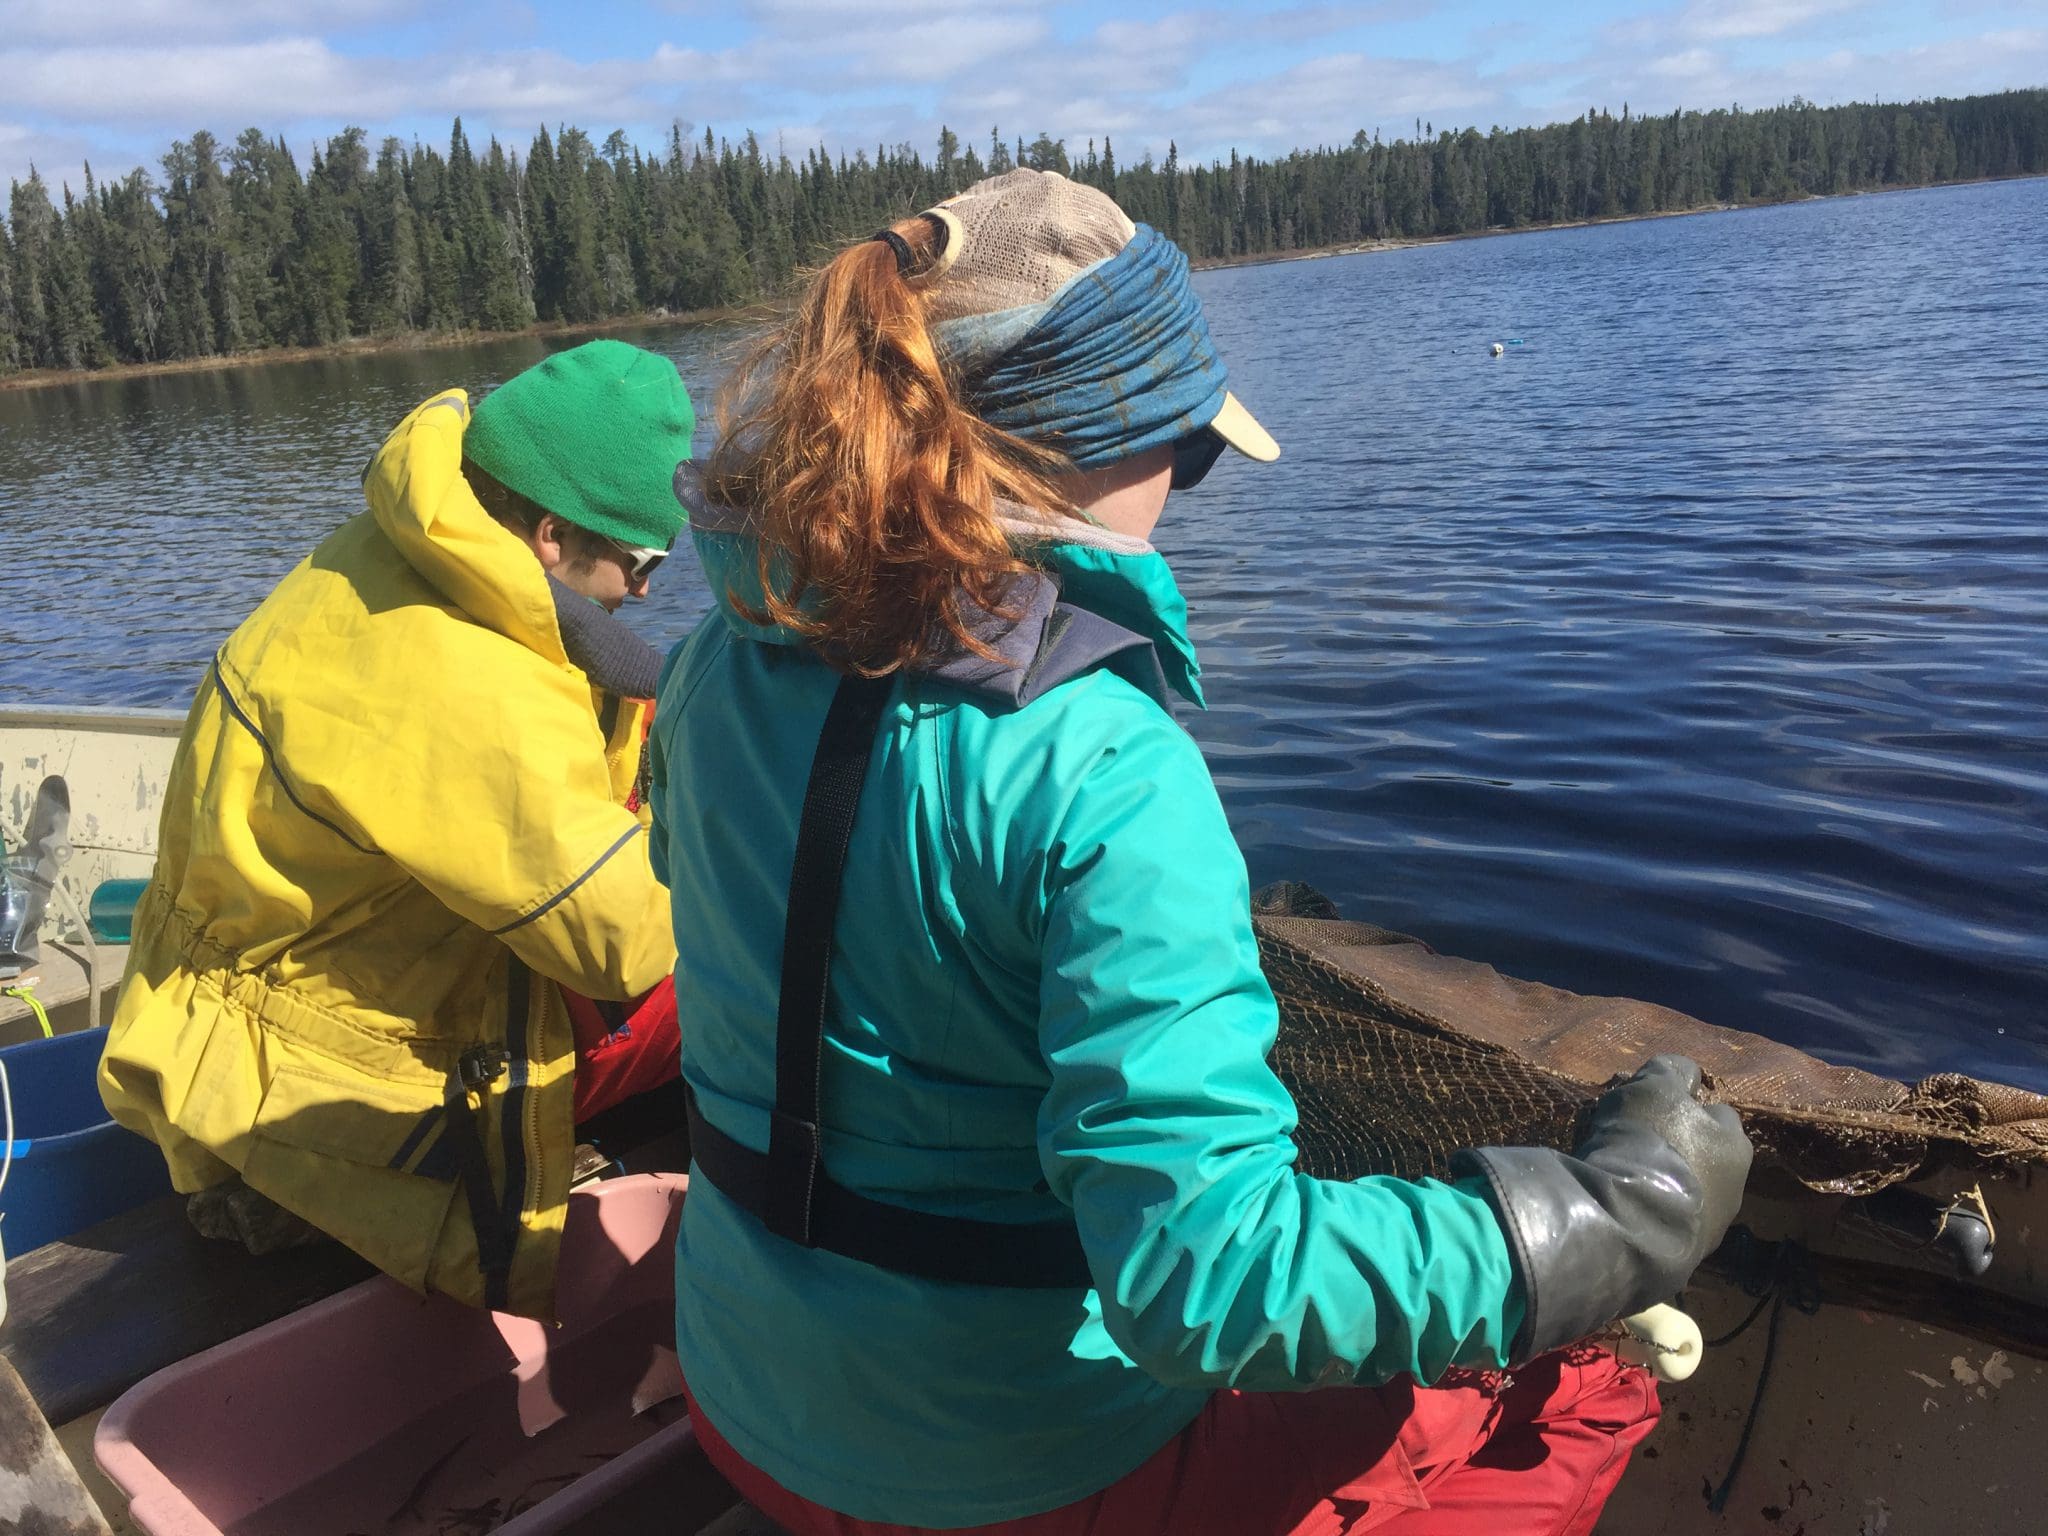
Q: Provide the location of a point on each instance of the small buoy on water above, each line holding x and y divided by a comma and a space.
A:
1498, 349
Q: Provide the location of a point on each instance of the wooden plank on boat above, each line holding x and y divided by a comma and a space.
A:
40, 1494
64, 981
92, 1315
74, 1438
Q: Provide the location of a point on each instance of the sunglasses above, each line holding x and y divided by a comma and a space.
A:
641, 563
1194, 456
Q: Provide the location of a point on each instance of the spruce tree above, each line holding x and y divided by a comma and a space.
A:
33, 223
77, 336
264, 191
492, 296
391, 241
505, 187
10, 333
325, 256
130, 258
204, 301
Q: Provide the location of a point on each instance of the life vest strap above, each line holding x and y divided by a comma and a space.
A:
953, 1249
787, 1188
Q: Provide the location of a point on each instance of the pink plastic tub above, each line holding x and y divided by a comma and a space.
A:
379, 1411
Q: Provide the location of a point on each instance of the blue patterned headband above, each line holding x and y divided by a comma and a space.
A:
1117, 361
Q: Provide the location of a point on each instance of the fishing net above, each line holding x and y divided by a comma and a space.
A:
1398, 1056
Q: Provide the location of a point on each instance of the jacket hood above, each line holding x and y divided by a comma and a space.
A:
422, 503
1117, 577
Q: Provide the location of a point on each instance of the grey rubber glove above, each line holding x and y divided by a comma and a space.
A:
1625, 1220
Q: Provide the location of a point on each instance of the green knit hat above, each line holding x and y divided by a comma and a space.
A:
594, 435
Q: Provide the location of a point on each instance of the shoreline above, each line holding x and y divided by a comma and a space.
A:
431, 341
1408, 242
367, 346
1411, 242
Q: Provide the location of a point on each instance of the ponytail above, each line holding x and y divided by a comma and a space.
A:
873, 487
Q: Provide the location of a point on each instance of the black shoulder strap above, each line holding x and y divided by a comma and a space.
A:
788, 1189
839, 770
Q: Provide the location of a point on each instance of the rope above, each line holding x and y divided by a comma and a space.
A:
6, 1106
1774, 1273
6, 1163
26, 991
1742, 1327
1719, 1501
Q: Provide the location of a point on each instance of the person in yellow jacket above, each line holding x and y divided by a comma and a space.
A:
397, 827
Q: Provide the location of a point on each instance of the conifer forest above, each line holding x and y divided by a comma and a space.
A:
226, 248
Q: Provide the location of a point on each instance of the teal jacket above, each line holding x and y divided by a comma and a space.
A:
1045, 996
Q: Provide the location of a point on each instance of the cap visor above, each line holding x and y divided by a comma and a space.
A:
1239, 428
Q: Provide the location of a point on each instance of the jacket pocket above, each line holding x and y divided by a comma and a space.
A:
354, 1118
356, 1157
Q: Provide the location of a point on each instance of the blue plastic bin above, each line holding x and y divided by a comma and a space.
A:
72, 1165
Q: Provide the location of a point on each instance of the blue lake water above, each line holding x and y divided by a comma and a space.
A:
1696, 648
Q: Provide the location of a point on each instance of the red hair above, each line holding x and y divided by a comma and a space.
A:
873, 487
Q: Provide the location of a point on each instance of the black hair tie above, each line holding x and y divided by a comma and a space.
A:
906, 258
900, 246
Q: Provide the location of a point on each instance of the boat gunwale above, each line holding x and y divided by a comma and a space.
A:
92, 717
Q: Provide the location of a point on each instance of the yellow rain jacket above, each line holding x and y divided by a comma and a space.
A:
393, 822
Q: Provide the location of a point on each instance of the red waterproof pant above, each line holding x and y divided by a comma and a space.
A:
623, 1048
1477, 1455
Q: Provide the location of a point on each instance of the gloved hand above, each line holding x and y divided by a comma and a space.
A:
1626, 1219
232, 1212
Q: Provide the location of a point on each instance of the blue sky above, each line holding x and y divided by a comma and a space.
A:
116, 80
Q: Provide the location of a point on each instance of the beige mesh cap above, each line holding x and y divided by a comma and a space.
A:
1013, 242
1016, 239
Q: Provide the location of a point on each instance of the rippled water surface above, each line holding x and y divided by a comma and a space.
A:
1696, 648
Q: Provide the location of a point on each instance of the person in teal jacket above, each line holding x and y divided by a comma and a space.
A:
993, 1221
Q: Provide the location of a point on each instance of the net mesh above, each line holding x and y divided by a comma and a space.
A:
1398, 1056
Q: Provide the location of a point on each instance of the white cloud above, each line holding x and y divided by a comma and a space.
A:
1657, 78
1963, 66
1995, 61
528, 86
1327, 100
1693, 64
1128, 80
283, 81
285, 77
827, 67
1722, 19
928, 52
776, 13
78, 21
